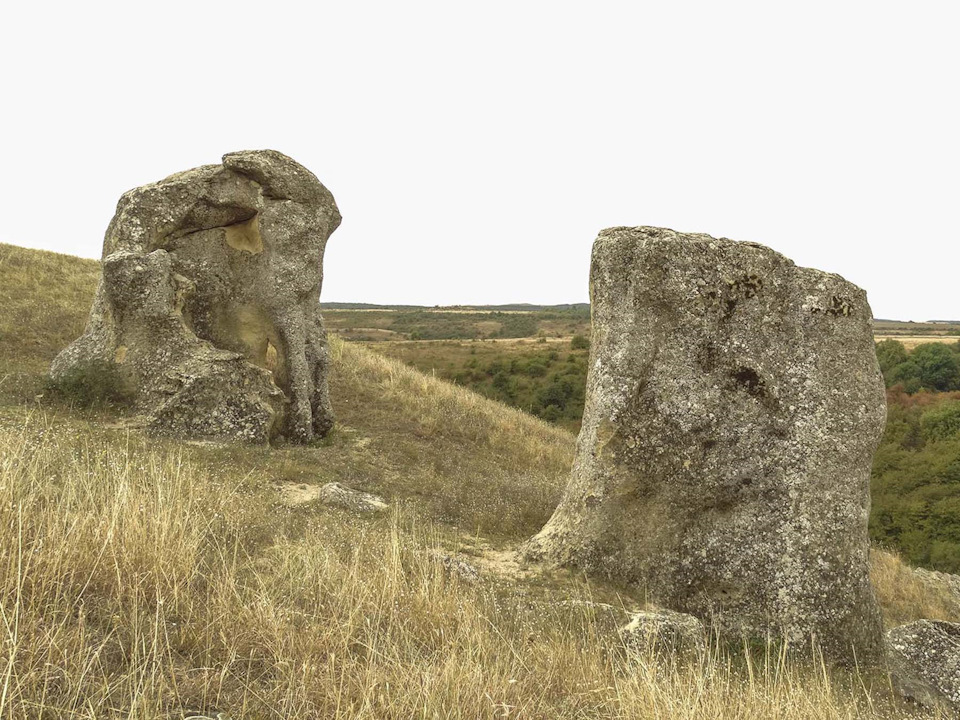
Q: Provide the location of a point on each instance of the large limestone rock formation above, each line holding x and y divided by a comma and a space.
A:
209, 300
733, 407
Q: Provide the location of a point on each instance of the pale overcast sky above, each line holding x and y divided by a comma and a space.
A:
475, 149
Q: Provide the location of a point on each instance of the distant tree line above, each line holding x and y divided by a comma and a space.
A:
423, 324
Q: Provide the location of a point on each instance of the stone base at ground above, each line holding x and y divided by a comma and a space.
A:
664, 633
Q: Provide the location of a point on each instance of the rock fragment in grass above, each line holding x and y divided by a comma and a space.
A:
456, 565
924, 662
347, 498
664, 633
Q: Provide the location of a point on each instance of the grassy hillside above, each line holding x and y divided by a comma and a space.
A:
45, 299
544, 377
142, 577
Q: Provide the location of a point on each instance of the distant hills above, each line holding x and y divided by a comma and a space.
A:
513, 307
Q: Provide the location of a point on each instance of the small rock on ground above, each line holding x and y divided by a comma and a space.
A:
457, 566
664, 632
333, 494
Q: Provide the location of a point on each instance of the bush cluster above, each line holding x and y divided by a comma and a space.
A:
579, 342
916, 479
931, 366
92, 385
546, 383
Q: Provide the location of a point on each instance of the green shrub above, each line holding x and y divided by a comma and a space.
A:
890, 353
942, 422
931, 366
939, 366
579, 342
94, 384
551, 413
536, 368
945, 556
904, 373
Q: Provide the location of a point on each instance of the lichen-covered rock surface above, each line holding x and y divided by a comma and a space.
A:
209, 300
733, 407
924, 663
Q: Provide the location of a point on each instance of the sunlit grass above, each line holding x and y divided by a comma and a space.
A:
132, 586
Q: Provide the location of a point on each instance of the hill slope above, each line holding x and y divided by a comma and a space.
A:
143, 576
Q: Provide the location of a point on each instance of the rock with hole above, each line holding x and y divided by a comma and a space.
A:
734, 403
209, 301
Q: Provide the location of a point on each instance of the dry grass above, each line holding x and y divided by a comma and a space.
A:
140, 578
483, 466
433, 405
134, 586
905, 596
45, 299
910, 342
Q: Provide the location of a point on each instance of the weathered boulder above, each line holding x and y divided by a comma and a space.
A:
924, 662
209, 300
733, 407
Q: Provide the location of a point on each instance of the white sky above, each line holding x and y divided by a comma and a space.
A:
475, 149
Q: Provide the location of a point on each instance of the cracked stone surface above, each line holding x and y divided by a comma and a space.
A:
209, 301
733, 407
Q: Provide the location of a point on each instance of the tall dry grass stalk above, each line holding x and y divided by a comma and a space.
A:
131, 586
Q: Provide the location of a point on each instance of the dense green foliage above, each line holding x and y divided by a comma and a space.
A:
916, 471
544, 378
916, 479
930, 366
422, 325
548, 383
